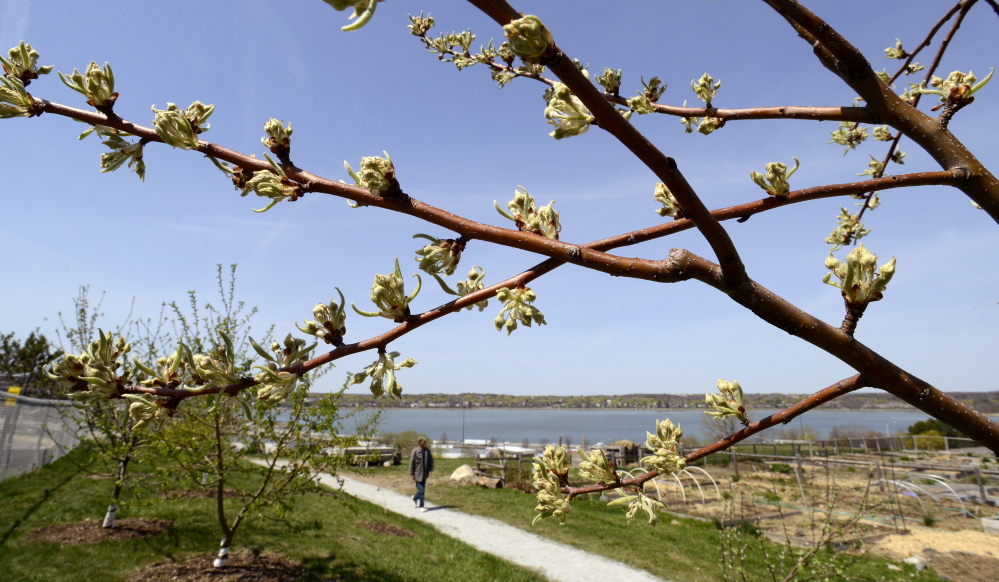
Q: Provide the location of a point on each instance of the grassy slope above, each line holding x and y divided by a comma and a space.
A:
322, 532
678, 549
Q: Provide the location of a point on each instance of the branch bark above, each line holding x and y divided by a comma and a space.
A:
837, 54
783, 417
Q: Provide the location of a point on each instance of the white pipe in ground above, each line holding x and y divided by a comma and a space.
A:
223, 556
109, 517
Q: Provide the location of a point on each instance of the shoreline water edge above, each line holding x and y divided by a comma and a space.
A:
607, 425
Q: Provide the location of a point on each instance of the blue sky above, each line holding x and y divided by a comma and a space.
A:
460, 143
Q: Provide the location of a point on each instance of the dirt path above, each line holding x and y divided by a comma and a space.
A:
553, 560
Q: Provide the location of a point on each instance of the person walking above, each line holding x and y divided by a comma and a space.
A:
421, 465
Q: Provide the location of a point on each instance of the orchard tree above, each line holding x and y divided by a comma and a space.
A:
22, 363
913, 105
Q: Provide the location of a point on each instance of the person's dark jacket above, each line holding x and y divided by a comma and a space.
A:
421, 464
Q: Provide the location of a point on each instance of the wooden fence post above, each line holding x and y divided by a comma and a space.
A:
981, 485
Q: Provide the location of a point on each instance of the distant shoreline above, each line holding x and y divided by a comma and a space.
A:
625, 409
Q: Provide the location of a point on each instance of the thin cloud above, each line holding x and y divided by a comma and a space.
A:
16, 17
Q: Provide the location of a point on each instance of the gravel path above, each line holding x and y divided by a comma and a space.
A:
553, 560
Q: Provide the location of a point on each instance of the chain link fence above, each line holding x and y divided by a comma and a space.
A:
33, 432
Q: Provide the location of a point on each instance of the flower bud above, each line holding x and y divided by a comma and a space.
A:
529, 39
22, 64
567, 113
97, 85
705, 88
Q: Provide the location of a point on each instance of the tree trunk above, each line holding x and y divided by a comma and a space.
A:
489, 482
119, 484
223, 556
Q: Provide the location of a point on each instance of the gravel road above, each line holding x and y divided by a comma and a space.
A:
555, 561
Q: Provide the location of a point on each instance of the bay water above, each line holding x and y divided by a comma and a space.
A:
535, 424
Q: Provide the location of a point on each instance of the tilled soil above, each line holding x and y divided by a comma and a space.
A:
91, 532
242, 567
961, 567
960, 556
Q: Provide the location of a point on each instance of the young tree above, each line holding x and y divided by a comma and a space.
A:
104, 427
576, 102
22, 363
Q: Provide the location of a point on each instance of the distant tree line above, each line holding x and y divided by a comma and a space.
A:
986, 402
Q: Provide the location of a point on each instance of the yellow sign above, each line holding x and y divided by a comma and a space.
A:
13, 390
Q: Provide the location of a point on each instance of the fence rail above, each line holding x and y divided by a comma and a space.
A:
33, 433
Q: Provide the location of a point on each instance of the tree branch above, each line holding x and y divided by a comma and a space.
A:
887, 107
663, 167
382, 341
876, 370
926, 41
852, 114
783, 417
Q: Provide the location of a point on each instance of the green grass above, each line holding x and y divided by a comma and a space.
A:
322, 532
677, 549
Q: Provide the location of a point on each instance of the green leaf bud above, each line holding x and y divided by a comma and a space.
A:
525, 214
442, 255
376, 174
121, 152
848, 229
363, 11
670, 206
849, 134
708, 125
97, 85
278, 139
610, 80
729, 403
329, 322
144, 408
15, 101
882, 133
641, 105
180, 128
665, 445
382, 374
551, 469
389, 295
896, 52
567, 113
705, 88
517, 308
775, 182
874, 168
857, 276
529, 39
22, 64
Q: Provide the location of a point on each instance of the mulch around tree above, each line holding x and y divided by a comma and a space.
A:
387, 528
91, 532
242, 567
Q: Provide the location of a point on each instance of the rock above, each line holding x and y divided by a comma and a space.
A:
918, 561
894, 568
991, 525
463, 474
